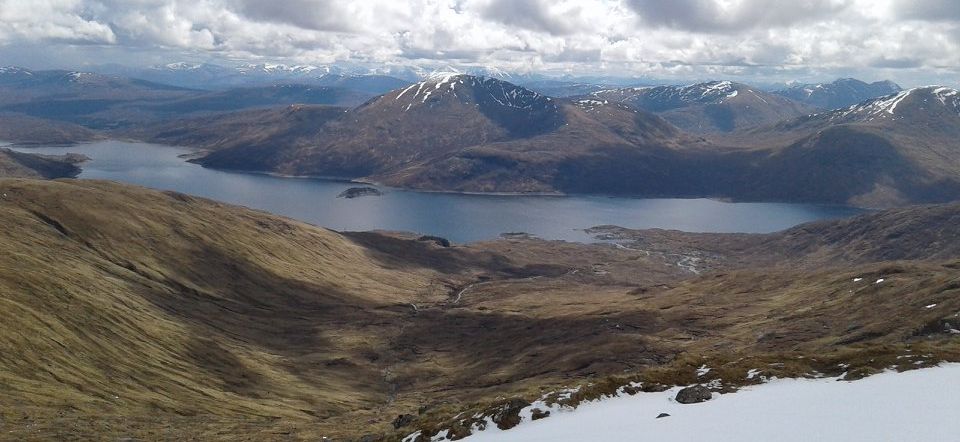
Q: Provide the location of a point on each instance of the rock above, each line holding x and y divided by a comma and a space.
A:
537, 414
371, 438
662, 415
654, 388
508, 414
694, 395
403, 420
356, 192
457, 432
442, 242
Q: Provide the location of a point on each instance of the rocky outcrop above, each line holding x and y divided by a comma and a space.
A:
694, 395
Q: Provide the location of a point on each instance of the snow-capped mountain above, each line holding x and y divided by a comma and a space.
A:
841, 93
715, 106
487, 93
923, 104
283, 70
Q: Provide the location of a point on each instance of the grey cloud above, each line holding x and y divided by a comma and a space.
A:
711, 16
526, 14
896, 63
321, 15
933, 10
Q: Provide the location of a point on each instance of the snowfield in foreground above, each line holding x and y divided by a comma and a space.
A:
910, 406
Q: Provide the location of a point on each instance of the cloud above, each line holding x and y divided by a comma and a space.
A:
733, 16
58, 21
689, 38
933, 10
321, 15
533, 15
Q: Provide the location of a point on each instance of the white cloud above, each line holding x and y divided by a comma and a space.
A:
681, 37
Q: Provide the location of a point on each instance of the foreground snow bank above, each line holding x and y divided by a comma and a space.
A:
915, 405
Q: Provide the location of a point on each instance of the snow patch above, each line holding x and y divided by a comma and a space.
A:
913, 405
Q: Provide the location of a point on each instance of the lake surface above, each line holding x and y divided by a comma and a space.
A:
461, 218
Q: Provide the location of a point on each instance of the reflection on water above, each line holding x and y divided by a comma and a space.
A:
461, 218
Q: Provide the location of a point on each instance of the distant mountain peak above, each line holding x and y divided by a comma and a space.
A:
895, 106
839, 94
470, 88
14, 70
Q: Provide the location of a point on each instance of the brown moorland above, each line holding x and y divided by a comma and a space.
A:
132, 313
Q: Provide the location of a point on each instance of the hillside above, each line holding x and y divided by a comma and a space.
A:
457, 132
163, 314
15, 164
462, 133
889, 151
108, 102
712, 107
24, 130
844, 92
253, 97
279, 125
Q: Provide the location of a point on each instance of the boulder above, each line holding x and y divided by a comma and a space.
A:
403, 420
694, 395
537, 414
507, 415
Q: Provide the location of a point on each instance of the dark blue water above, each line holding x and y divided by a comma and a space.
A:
461, 218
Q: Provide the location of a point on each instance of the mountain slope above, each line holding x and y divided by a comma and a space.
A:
15, 164
279, 125
27, 88
25, 130
716, 106
462, 133
132, 313
841, 93
459, 132
888, 151
252, 97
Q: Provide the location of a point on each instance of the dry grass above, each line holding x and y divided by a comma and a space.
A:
133, 313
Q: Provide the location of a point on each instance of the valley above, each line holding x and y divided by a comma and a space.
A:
155, 324
191, 264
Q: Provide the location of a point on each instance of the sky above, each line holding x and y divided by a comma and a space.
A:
913, 42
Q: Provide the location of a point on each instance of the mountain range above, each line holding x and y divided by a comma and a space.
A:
716, 106
844, 92
110, 102
467, 133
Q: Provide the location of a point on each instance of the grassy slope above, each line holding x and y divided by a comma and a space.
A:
129, 312
24, 130
121, 300
24, 165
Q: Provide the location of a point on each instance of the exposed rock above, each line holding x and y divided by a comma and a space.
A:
371, 438
356, 192
654, 388
442, 242
457, 432
508, 414
662, 415
694, 395
403, 420
537, 414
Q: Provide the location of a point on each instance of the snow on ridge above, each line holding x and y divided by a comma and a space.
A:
912, 405
77, 76
886, 107
505, 94
182, 66
14, 70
